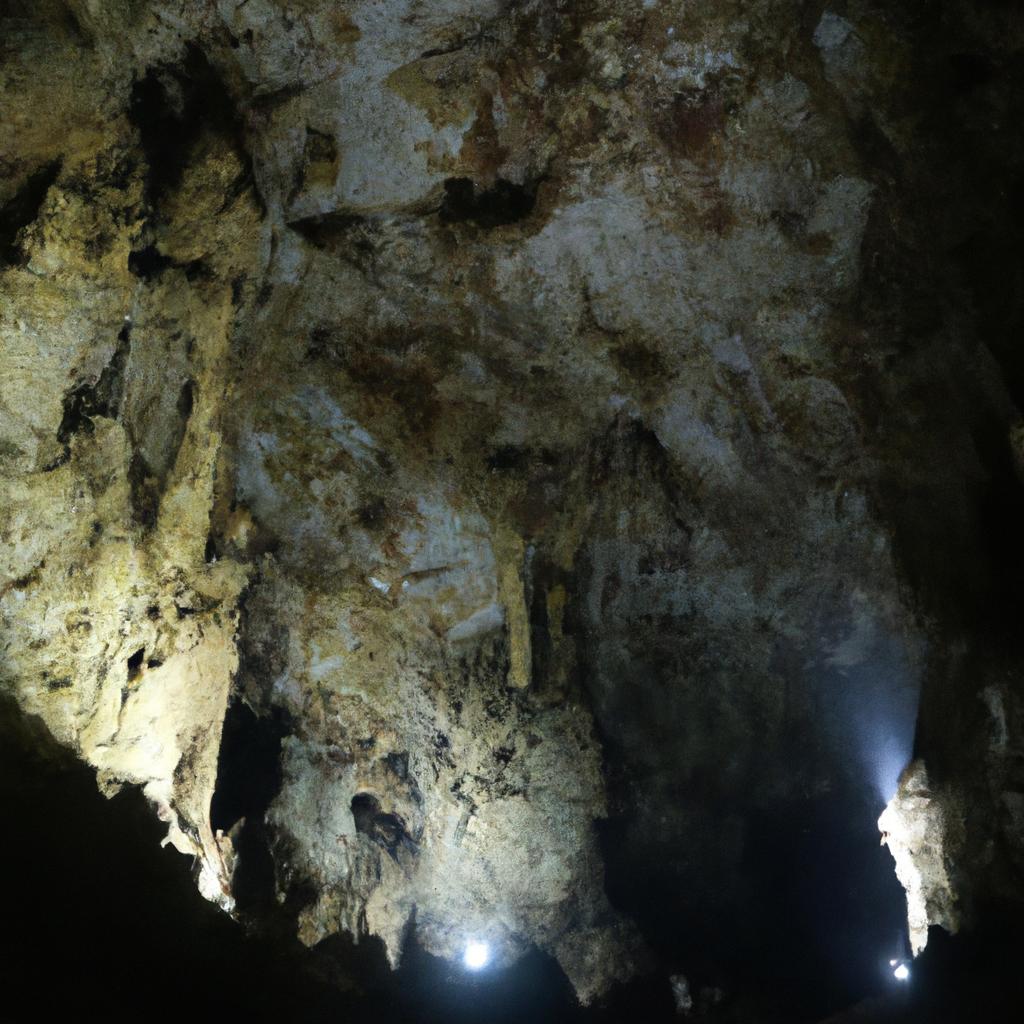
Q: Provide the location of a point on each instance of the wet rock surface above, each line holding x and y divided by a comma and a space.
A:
507, 472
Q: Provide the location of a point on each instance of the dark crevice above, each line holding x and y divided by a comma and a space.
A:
186, 400
21, 210
386, 830
458, 45
350, 236
103, 398
172, 107
248, 778
504, 203
398, 764
135, 664
197, 270
322, 229
144, 491
211, 550
148, 262
319, 164
60, 460
508, 458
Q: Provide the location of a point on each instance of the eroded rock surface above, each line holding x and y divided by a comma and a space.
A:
921, 835
519, 404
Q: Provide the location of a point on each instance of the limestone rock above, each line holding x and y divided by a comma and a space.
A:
915, 827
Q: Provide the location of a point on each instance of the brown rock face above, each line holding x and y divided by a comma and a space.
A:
576, 433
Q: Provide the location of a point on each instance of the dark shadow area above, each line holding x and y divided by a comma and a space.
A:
99, 919
951, 386
101, 398
172, 107
248, 779
386, 830
148, 262
802, 928
22, 209
504, 203
970, 977
322, 230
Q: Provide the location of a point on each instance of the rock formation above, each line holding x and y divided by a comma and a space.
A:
577, 431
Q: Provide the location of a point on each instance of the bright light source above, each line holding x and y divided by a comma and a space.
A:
902, 972
476, 956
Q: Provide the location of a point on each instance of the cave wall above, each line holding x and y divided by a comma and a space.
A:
582, 429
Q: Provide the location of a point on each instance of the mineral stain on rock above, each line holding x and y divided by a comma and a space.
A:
539, 477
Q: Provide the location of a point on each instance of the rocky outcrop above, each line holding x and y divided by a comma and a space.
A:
918, 832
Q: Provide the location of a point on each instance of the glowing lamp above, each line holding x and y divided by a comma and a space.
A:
476, 955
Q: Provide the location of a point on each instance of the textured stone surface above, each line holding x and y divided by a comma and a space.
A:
531, 408
921, 835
